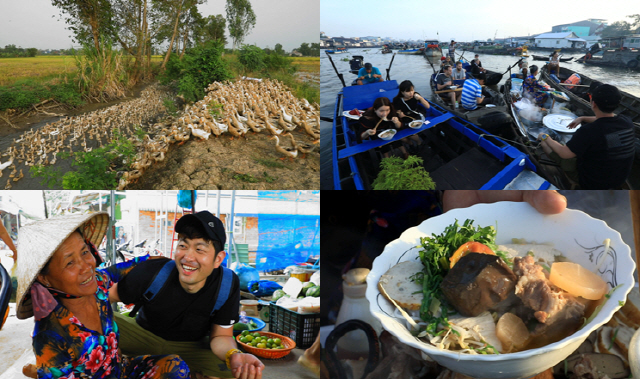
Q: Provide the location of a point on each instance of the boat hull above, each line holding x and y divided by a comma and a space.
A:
456, 153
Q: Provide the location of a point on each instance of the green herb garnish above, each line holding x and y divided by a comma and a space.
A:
435, 254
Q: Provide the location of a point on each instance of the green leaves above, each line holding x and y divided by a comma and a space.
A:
434, 255
398, 174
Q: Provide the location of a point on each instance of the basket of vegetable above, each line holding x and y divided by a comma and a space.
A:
254, 325
265, 345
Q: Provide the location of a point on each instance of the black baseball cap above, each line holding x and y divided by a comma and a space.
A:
606, 96
213, 227
367, 66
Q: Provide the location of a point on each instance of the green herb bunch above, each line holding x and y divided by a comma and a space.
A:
435, 254
398, 174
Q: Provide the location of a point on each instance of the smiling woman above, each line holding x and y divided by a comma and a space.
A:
75, 333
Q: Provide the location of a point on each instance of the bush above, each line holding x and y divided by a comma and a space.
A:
251, 57
23, 96
198, 68
275, 61
397, 174
94, 170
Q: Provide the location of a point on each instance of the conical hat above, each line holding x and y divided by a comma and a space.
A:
38, 241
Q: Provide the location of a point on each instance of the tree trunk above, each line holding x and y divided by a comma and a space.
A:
145, 31
175, 31
184, 43
93, 21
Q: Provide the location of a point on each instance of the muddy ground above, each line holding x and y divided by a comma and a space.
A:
217, 163
222, 163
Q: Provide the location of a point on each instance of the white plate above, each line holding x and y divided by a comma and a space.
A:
351, 116
579, 236
559, 122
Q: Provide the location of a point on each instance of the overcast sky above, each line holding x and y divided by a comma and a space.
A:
464, 20
29, 23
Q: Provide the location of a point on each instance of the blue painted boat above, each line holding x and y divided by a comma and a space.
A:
456, 153
410, 51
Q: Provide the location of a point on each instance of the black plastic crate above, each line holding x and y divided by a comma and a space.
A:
302, 328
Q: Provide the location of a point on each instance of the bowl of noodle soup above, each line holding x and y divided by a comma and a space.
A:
579, 237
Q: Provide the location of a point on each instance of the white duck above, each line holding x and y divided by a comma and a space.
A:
199, 132
287, 117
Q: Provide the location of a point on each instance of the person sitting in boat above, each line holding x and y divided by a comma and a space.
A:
444, 81
407, 108
406, 103
554, 67
472, 95
459, 73
380, 117
534, 89
603, 147
523, 67
369, 74
476, 66
452, 50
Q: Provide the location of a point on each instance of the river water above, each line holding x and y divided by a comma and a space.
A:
417, 69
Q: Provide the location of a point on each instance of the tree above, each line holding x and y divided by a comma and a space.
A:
278, 49
304, 49
214, 29
31, 52
315, 49
636, 21
617, 29
241, 19
88, 19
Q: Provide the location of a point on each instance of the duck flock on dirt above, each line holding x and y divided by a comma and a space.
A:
234, 108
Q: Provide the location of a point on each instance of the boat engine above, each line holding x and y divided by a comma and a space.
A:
356, 63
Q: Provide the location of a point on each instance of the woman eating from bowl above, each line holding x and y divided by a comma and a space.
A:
376, 120
75, 335
406, 105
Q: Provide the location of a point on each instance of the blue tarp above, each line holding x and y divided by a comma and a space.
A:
286, 240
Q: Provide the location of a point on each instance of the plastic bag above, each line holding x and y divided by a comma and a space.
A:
263, 287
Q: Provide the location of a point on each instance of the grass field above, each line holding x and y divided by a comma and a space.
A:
40, 69
31, 80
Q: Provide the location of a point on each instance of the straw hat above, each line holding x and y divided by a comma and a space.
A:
38, 241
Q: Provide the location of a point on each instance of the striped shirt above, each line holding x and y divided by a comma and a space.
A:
470, 92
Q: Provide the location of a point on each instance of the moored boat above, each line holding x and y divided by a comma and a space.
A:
456, 153
432, 48
629, 105
410, 51
529, 124
546, 59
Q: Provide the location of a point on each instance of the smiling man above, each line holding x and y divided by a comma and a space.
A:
188, 305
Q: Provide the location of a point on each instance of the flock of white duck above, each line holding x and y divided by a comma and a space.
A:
236, 108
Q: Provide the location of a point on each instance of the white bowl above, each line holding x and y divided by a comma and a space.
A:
417, 124
388, 134
579, 236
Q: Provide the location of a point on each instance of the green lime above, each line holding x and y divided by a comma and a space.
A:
269, 345
256, 334
277, 341
244, 332
270, 340
261, 346
249, 338
243, 339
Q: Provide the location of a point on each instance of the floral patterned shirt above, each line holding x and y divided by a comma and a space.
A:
535, 89
65, 348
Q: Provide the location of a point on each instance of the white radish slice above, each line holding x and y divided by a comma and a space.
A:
577, 280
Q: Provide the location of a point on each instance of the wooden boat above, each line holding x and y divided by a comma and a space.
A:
432, 48
411, 51
527, 132
339, 50
629, 105
456, 153
386, 51
546, 59
494, 119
